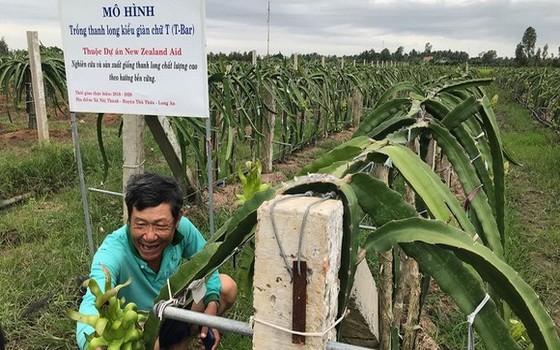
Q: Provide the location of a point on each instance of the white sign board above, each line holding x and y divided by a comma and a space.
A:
137, 57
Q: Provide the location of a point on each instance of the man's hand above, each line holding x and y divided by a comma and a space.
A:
211, 309
208, 338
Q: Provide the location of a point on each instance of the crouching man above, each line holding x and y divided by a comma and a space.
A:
150, 248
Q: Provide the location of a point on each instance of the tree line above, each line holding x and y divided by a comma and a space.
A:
526, 54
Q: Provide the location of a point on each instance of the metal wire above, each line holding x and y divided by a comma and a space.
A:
325, 197
275, 230
225, 324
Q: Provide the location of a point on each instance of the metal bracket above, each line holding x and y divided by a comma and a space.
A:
299, 306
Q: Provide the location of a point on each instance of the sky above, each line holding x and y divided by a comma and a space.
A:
331, 27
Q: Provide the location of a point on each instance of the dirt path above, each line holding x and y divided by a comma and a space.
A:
285, 169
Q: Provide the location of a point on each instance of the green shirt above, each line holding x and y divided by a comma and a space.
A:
121, 258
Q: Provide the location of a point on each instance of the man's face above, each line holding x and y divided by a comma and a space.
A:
152, 230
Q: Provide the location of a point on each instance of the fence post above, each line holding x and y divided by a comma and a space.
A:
133, 149
275, 303
39, 103
270, 120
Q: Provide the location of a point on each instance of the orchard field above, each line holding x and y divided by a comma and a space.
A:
295, 117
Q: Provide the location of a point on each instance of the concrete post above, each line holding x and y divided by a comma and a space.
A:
133, 149
361, 326
272, 287
39, 100
268, 146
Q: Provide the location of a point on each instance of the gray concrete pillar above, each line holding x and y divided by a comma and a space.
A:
272, 285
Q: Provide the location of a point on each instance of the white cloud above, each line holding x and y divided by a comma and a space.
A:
333, 27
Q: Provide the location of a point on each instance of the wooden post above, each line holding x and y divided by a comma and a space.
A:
295, 61
254, 57
357, 103
385, 282
272, 283
169, 146
133, 149
38, 88
270, 119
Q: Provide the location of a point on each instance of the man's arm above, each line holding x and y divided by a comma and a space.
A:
193, 243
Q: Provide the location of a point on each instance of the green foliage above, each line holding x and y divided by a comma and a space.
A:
4, 50
298, 105
538, 89
506, 281
462, 122
250, 183
15, 79
453, 112
519, 334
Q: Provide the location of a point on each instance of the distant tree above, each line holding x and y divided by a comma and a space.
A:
488, 57
369, 55
428, 49
462, 56
278, 55
545, 52
4, 50
385, 55
399, 54
520, 56
529, 41
537, 58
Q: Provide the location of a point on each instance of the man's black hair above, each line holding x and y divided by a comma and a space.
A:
148, 190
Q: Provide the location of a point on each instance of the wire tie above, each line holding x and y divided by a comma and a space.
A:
470, 319
475, 158
252, 321
388, 163
136, 166
367, 168
163, 304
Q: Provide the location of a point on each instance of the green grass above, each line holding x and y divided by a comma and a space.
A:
532, 197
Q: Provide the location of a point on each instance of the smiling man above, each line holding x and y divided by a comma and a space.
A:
149, 248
